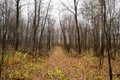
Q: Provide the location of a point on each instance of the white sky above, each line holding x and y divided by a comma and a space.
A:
55, 3
57, 6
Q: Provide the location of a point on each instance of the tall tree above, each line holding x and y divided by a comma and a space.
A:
75, 13
44, 23
4, 33
34, 25
17, 24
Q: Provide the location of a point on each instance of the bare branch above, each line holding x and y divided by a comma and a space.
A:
67, 8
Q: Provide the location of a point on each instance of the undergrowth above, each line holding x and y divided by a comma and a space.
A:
58, 66
22, 66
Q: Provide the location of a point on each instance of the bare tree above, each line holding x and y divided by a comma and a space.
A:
4, 33
75, 13
44, 23
17, 24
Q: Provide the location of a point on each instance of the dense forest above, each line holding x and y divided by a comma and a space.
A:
83, 43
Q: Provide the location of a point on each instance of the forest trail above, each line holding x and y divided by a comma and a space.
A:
60, 66
57, 66
65, 65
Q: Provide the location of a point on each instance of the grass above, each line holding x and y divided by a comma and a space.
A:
22, 66
58, 66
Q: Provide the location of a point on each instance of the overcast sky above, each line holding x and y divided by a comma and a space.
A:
57, 6
55, 3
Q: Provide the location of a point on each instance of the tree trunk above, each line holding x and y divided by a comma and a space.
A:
17, 26
76, 20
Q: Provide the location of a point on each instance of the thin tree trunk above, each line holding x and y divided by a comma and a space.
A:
76, 21
3, 52
43, 26
108, 42
17, 26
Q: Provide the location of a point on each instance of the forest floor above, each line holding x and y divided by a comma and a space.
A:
58, 66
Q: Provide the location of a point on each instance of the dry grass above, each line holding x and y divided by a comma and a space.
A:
58, 66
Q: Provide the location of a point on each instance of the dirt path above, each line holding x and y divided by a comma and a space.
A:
59, 66
59, 60
69, 67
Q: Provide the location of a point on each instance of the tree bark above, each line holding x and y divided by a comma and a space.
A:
76, 21
17, 25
